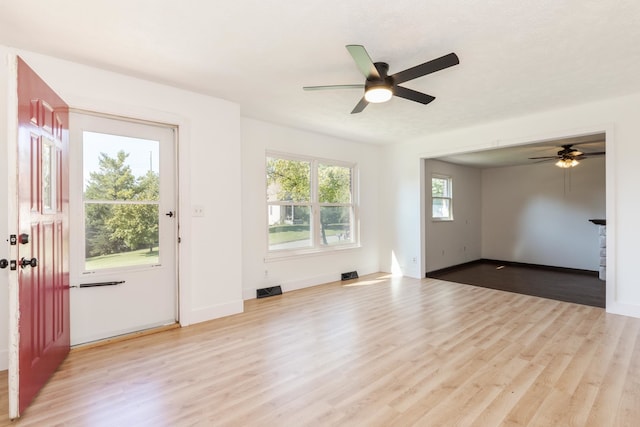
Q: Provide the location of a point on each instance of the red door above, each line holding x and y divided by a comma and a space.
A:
43, 235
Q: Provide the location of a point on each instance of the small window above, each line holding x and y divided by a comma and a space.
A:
441, 198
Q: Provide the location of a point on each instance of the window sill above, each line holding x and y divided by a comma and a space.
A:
306, 253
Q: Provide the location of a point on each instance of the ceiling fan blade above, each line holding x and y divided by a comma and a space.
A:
354, 86
545, 157
361, 105
427, 68
363, 61
598, 153
544, 160
412, 95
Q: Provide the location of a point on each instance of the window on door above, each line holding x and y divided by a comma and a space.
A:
121, 201
310, 204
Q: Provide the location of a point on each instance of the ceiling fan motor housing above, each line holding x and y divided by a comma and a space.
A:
384, 80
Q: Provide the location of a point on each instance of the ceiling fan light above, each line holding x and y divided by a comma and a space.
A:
567, 163
378, 94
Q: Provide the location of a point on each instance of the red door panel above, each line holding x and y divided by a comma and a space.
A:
43, 213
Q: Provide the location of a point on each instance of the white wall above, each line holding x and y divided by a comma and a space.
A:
618, 118
210, 174
539, 214
454, 242
293, 273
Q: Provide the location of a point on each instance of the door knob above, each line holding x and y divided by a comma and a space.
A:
24, 262
4, 263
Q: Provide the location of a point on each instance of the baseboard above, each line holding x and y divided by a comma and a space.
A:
216, 311
451, 268
307, 282
510, 263
623, 309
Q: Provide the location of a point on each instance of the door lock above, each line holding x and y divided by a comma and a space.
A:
24, 262
11, 264
23, 239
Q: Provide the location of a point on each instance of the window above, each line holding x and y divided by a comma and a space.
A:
121, 201
441, 198
310, 204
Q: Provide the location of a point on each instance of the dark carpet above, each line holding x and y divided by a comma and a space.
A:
577, 286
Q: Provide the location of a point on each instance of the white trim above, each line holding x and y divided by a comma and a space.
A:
288, 254
12, 215
612, 305
216, 311
622, 309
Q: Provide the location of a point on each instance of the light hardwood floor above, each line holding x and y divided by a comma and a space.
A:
379, 351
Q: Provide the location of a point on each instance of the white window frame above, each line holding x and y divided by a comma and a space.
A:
448, 197
316, 246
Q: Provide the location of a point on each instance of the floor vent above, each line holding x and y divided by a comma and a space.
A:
268, 292
350, 275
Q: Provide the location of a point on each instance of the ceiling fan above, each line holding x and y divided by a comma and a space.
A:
380, 87
569, 157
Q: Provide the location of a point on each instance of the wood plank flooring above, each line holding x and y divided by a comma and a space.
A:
377, 351
579, 286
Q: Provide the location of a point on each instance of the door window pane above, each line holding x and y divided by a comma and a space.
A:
121, 201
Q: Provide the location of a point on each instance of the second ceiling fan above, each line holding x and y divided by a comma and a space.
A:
569, 156
380, 87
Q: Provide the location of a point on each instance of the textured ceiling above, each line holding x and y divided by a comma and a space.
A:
515, 57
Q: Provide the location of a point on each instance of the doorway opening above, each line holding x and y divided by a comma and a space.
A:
515, 205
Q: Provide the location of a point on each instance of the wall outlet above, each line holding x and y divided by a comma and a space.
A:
414, 260
198, 210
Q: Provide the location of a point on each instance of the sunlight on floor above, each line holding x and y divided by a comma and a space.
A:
376, 281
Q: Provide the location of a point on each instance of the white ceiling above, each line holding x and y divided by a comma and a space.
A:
515, 57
